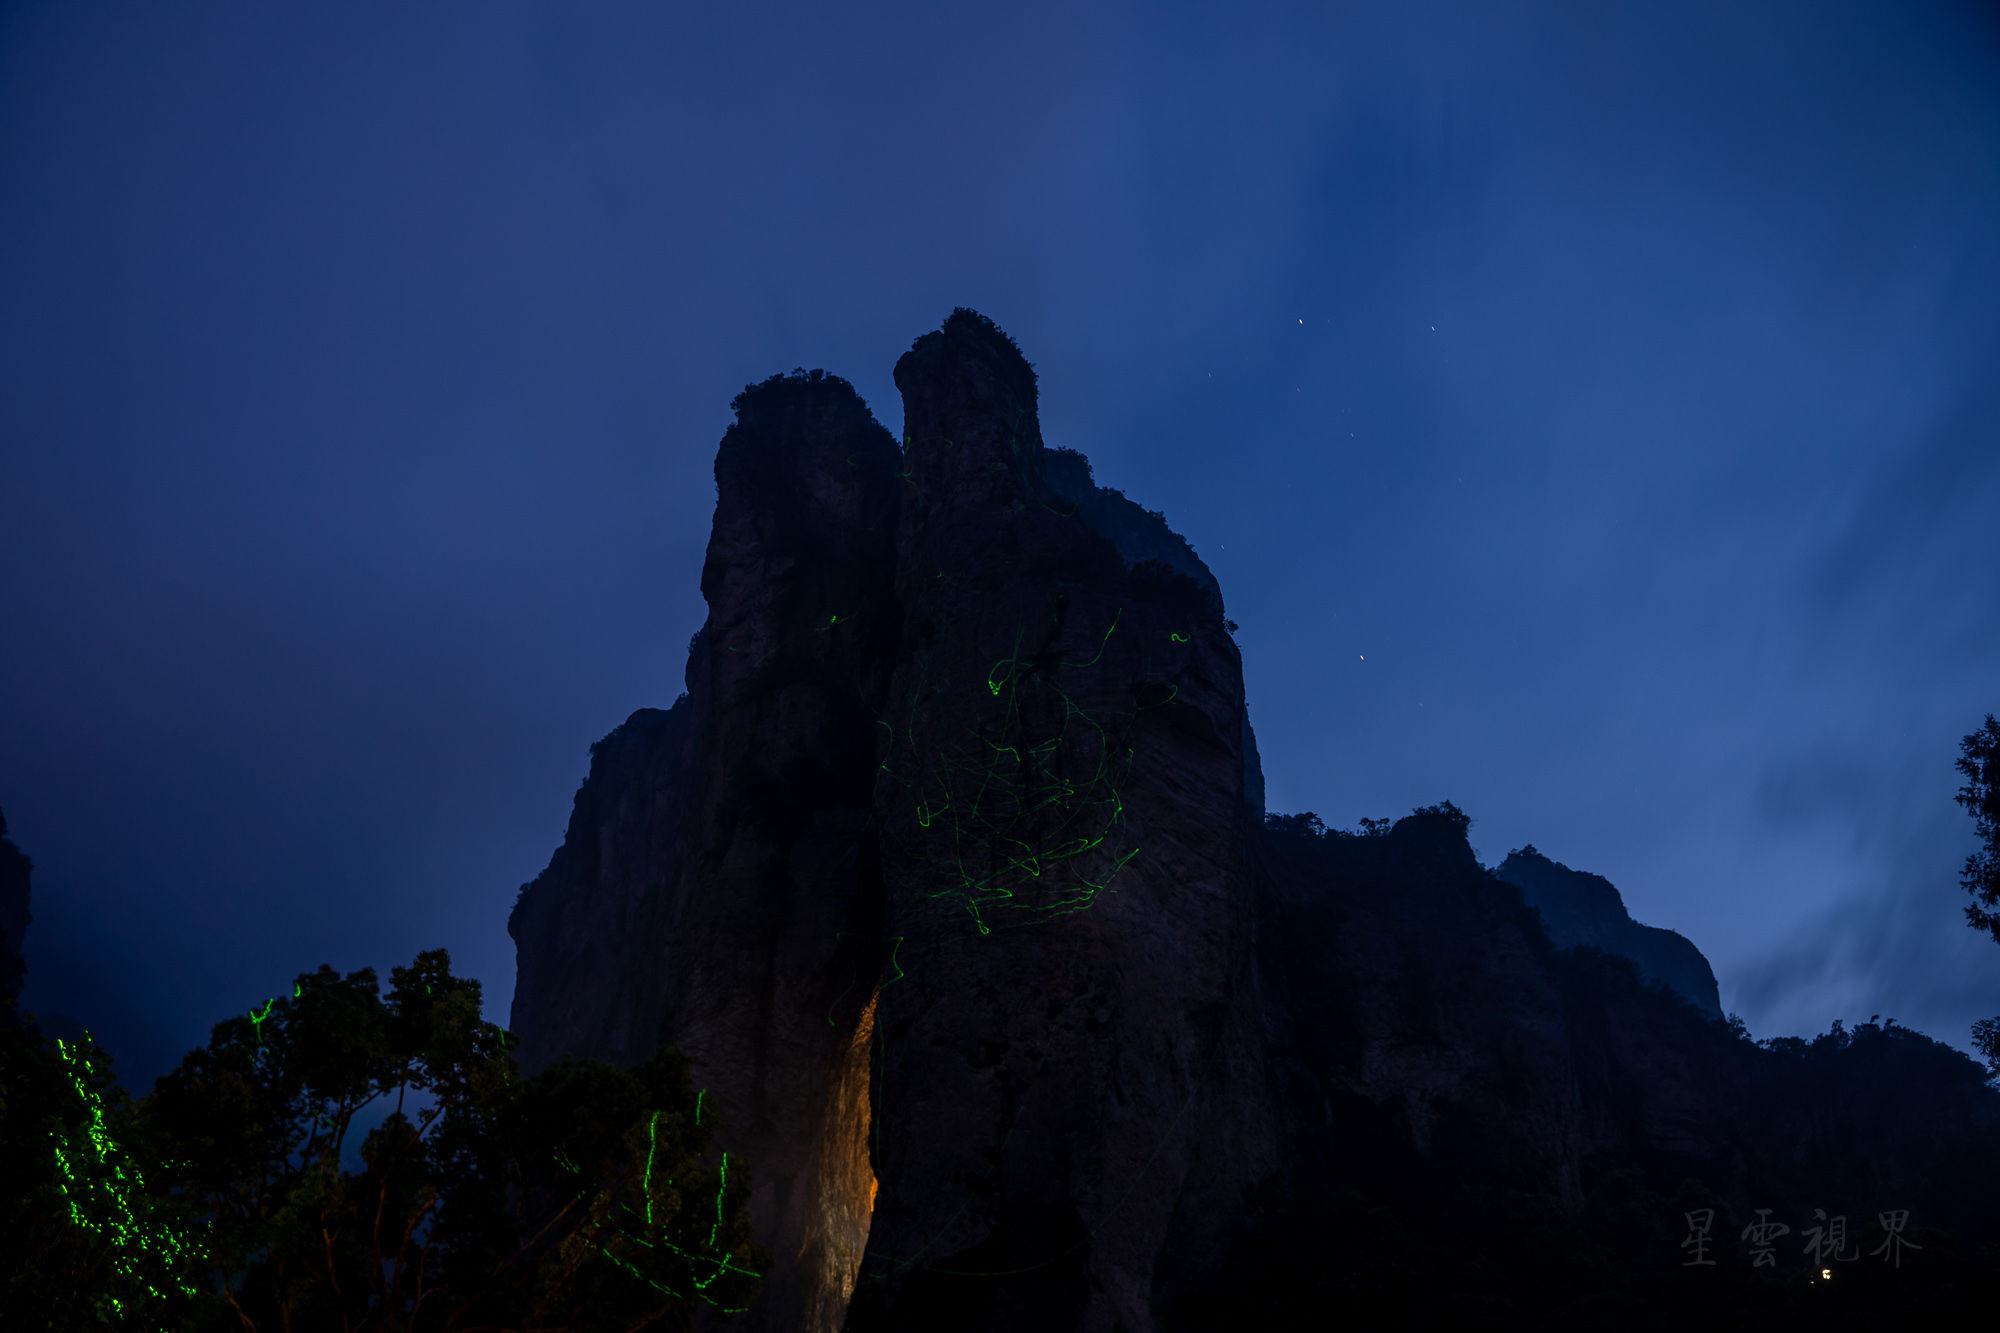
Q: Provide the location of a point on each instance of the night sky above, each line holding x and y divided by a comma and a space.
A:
1592, 413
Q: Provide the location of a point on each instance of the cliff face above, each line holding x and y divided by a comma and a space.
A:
1416, 1006
1584, 911
720, 889
1427, 1022
15, 868
950, 874
1067, 1092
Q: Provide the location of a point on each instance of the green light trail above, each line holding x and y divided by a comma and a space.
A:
1100, 643
1012, 819
716, 1230
652, 1142
1016, 813
99, 1183
716, 1264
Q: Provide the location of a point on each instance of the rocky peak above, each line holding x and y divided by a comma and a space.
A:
1580, 910
805, 463
969, 417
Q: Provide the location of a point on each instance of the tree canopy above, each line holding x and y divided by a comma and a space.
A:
586, 1197
1979, 763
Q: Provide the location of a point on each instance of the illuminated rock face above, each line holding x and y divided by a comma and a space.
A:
718, 889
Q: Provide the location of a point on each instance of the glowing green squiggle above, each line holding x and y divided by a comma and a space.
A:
716, 1230
999, 825
715, 1264
652, 1137
99, 1183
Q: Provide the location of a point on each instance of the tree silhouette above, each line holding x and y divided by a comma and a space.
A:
584, 1198
1979, 762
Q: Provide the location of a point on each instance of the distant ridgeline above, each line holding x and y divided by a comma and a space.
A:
950, 873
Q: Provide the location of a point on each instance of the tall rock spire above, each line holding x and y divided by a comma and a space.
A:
1063, 817
935, 873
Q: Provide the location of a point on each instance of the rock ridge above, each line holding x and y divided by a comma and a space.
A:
1586, 911
951, 874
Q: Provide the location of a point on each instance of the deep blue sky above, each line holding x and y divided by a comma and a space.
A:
1623, 381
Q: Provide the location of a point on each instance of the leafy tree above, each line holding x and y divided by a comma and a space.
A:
1979, 762
88, 1244
1305, 825
1445, 810
580, 1199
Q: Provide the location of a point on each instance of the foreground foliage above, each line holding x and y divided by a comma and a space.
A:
583, 1198
1979, 764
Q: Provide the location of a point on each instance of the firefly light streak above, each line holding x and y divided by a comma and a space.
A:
1017, 819
99, 1182
1004, 813
97, 1204
715, 1264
